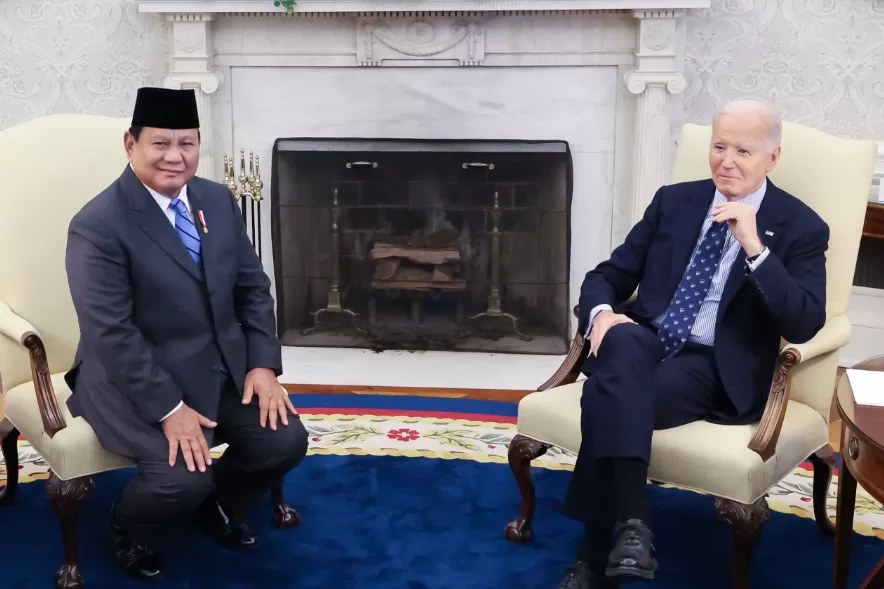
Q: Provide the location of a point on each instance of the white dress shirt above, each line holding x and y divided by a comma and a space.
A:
703, 330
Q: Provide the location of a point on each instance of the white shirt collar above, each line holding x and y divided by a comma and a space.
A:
753, 200
163, 201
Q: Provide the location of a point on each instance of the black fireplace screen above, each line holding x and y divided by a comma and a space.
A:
412, 244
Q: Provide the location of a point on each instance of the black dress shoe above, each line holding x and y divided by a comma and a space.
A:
579, 576
632, 556
136, 560
221, 529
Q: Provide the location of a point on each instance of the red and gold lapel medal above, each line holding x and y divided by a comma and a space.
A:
202, 221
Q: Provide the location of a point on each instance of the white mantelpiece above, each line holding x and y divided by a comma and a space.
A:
597, 73
411, 6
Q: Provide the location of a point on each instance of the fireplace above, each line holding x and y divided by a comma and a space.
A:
600, 75
422, 244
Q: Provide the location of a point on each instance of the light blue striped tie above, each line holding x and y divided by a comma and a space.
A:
187, 231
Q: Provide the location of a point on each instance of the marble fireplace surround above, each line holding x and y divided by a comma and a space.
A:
597, 73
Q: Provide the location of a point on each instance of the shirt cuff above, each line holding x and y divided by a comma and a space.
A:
757, 261
177, 407
595, 311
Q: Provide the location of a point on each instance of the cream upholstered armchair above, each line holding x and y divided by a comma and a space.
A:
738, 465
53, 165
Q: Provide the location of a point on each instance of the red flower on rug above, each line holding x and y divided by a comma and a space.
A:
403, 435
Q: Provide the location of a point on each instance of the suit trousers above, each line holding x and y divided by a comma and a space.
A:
629, 393
160, 494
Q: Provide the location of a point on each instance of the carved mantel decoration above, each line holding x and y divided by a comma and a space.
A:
461, 39
193, 67
654, 78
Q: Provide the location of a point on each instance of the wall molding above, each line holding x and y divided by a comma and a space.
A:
867, 325
650, 8
878, 190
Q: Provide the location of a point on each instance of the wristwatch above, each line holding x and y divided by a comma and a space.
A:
750, 259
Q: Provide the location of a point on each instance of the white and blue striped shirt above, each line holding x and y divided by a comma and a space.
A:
703, 331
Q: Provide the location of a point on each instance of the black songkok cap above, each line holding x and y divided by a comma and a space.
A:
165, 109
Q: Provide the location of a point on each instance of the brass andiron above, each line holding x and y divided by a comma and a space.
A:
247, 189
494, 309
241, 191
334, 293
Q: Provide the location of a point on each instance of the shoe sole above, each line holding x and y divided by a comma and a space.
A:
138, 575
625, 573
131, 572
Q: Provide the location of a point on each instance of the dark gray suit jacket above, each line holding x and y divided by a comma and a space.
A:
155, 326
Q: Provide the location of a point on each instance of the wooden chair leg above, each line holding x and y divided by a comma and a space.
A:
823, 465
66, 497
284, 515
875, 578
522, 451
9, 446
746, 522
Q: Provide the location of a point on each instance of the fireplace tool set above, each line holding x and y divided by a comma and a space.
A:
247, 190
334, 292
417, 264
494, 308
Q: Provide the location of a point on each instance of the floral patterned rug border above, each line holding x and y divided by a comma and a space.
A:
481, 441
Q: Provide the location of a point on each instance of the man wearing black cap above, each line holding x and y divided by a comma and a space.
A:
178, 349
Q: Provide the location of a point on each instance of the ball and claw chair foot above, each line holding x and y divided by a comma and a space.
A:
522, 451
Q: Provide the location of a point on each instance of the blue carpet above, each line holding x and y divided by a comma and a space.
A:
416, 523
404, 402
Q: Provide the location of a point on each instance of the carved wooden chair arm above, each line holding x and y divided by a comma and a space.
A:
834, 335
19, 330
569, 370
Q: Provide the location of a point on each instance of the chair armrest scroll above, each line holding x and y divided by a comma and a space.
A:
569, 370
834, 335
13, 326
18, 329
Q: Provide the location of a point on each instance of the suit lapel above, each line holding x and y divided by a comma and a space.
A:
770, 218
691, 216
155, 224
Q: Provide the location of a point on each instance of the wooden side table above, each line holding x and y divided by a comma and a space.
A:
874, 222
862, 459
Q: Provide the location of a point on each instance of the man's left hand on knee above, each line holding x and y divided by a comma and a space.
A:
273, 399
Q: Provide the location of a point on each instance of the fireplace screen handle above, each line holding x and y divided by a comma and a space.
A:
372, 164
467, 165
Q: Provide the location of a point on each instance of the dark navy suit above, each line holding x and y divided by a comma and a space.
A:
630, 392
156, 329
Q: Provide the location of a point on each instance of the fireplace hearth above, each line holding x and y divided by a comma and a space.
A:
422, 245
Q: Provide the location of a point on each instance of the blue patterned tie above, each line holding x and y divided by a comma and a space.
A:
682, 311
190, 237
